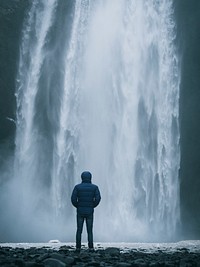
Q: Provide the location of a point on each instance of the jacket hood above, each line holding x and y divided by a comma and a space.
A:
86, 176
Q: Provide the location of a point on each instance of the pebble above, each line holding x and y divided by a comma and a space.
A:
67, 256
123, 264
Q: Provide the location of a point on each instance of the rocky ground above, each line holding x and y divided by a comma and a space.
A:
65, 255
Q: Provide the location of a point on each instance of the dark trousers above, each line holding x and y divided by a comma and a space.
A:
89, 226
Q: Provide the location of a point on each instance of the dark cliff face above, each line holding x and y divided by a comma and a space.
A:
188, 25
12, 13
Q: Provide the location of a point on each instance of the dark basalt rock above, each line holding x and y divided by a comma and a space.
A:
139, 262
123, 264
67, 257
112, 251
33, 264
54, 263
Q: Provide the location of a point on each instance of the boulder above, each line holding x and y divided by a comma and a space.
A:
53, 263
112, 251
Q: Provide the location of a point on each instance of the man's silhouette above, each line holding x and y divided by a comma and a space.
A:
85, 197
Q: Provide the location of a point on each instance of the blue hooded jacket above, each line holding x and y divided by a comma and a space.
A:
85, 196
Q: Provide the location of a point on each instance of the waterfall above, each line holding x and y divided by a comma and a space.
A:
98, 90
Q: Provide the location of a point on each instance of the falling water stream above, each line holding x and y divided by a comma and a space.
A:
98, 90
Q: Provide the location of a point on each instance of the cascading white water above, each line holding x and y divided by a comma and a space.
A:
99, 91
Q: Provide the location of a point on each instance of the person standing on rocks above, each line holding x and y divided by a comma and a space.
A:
85, 197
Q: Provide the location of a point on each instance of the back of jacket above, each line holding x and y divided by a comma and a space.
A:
85, 197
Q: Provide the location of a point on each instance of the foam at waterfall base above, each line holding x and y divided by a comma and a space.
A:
190, 245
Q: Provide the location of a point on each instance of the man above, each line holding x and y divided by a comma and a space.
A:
85, 197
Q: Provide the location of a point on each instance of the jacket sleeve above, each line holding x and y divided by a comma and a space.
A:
74, 197
97, 197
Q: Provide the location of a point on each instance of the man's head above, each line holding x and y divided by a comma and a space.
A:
86, 176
